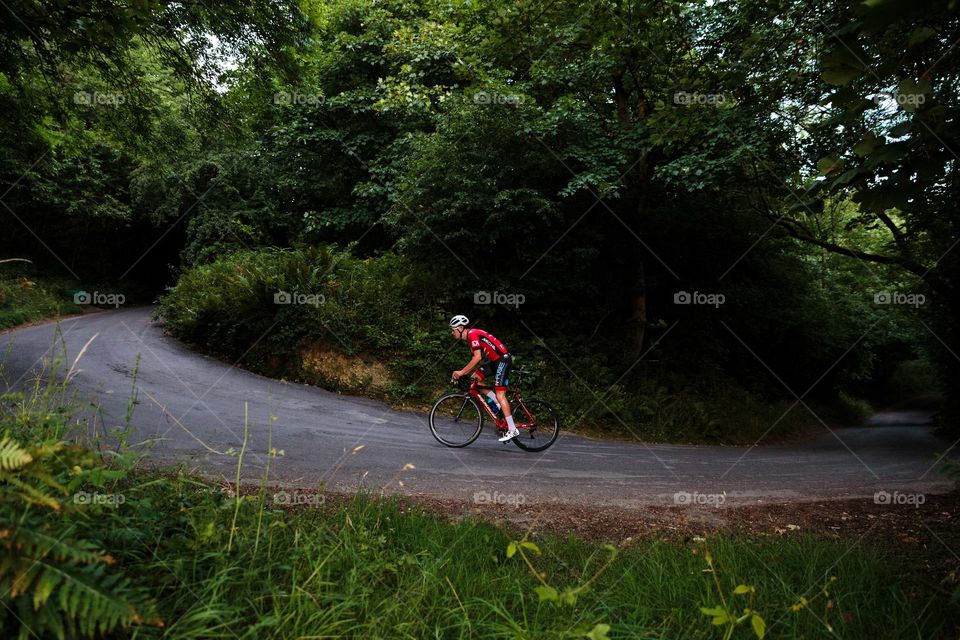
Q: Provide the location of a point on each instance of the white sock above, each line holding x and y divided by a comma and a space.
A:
510, 424
493, 396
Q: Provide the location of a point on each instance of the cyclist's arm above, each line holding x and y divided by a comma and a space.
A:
477, 355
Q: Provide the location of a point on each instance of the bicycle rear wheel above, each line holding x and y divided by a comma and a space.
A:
455, 420
538, 422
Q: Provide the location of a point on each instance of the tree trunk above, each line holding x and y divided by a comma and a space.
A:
638, 311
634, 178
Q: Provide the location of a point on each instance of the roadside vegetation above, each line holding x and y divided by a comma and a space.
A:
25, 297
377, 327
30, 294
94, 545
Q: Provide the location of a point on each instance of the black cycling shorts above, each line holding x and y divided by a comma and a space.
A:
498, 369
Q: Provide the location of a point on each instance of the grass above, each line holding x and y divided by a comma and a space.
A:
368, 569
29, 298
198, 560
28, 294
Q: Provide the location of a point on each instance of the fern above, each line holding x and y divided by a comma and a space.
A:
52, 582
12, 455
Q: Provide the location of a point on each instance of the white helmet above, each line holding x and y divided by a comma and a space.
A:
458, 321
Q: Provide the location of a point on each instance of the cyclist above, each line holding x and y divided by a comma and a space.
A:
497, 365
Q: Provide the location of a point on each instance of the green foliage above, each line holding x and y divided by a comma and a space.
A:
215, 558
568, 596
724, 615
54, 581
24, 298
28, 294
564, 165
377, 307
386, 310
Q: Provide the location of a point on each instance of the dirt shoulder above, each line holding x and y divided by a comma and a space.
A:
934, 522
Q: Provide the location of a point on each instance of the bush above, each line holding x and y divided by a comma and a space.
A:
374, 309
378, 328
26, 298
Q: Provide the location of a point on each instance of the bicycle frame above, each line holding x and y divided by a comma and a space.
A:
516, 402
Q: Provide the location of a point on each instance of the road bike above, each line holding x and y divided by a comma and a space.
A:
456, 419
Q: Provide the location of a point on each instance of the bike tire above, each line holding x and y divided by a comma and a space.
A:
548, 425
445, 414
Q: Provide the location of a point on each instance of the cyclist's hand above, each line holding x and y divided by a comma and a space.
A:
455, 376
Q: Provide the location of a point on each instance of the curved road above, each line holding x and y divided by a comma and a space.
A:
191, 408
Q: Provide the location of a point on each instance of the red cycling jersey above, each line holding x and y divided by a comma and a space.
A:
492, 348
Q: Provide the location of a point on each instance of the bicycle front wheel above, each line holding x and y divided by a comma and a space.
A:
538, 422
455, 420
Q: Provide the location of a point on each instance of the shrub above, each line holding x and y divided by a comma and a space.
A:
379, 328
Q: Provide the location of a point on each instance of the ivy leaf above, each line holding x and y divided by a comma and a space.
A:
599, 632
742, 588
511, 549
759, 626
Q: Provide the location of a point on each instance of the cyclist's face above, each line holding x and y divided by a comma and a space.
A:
456, 332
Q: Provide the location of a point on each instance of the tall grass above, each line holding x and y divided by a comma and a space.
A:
371, 569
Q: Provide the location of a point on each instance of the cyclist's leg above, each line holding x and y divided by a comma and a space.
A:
484, 371
501, 380
500, 385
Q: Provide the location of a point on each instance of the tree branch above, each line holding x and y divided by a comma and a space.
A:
928, 274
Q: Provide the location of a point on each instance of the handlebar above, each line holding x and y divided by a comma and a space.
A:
463, 382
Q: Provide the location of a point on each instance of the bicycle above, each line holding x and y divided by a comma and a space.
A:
456, 419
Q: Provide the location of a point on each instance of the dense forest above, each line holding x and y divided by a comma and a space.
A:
688, 218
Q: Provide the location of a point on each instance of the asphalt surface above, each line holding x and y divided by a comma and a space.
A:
191, 409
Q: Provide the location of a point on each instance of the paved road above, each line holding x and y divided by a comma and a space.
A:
191, 408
